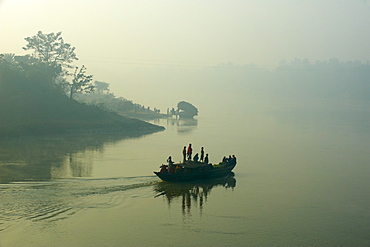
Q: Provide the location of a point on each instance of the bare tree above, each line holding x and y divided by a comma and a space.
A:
80, 82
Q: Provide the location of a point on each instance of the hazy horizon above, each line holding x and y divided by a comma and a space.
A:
125, 43
78, 175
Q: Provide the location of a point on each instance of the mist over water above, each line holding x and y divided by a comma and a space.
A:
283, 85
302, 179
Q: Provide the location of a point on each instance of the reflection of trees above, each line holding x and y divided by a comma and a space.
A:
47, 157
74, 165
184, 126
192, 193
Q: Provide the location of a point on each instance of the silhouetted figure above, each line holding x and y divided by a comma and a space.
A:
169, 160
196, 157
163, 169
233, 160
190, 151
228, 160
202, 154
184, 154
171, 167
206, 159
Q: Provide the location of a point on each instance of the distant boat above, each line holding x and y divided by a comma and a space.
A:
192, 171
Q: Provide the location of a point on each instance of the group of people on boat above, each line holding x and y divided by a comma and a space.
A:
231, 160
187, 158
187, 155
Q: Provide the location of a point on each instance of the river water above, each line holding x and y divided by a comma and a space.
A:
302, 179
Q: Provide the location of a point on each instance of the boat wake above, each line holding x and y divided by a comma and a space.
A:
57, 200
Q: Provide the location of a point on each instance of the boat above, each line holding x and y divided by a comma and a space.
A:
193, 171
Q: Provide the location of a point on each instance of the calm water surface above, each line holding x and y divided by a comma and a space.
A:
302, 179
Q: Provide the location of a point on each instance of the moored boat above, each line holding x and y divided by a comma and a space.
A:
192, 171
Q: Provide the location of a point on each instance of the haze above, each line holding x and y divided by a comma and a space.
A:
129, 43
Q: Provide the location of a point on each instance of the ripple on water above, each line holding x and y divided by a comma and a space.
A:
58, 200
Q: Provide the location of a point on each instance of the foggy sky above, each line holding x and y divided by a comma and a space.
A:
115, 39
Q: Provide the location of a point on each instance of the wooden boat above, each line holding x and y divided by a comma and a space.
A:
192, 171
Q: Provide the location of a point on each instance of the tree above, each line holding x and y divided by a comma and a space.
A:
8, 57
101, 87
186, 109
51, 49
26, 59
23, 86
80, 82
126, 106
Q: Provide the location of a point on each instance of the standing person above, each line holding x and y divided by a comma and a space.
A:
184, 154
206, 159
169, 160
190, 151
201, 154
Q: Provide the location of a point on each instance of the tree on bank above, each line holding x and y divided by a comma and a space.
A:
80, 82
52, 50
31, 103
8, 57
18, 79
101, 87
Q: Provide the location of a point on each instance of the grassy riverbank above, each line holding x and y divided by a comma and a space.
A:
29, 113
40, 116
33, 103
65, 116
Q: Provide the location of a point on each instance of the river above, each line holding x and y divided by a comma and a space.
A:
302, 179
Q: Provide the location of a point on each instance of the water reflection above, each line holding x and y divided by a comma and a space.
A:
50, 157
192, 193
184, 125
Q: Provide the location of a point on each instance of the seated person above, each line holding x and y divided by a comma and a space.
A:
196, 157
163, 169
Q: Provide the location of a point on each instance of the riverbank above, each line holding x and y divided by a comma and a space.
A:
63, 115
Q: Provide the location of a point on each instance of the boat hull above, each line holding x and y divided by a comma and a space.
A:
196, 175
